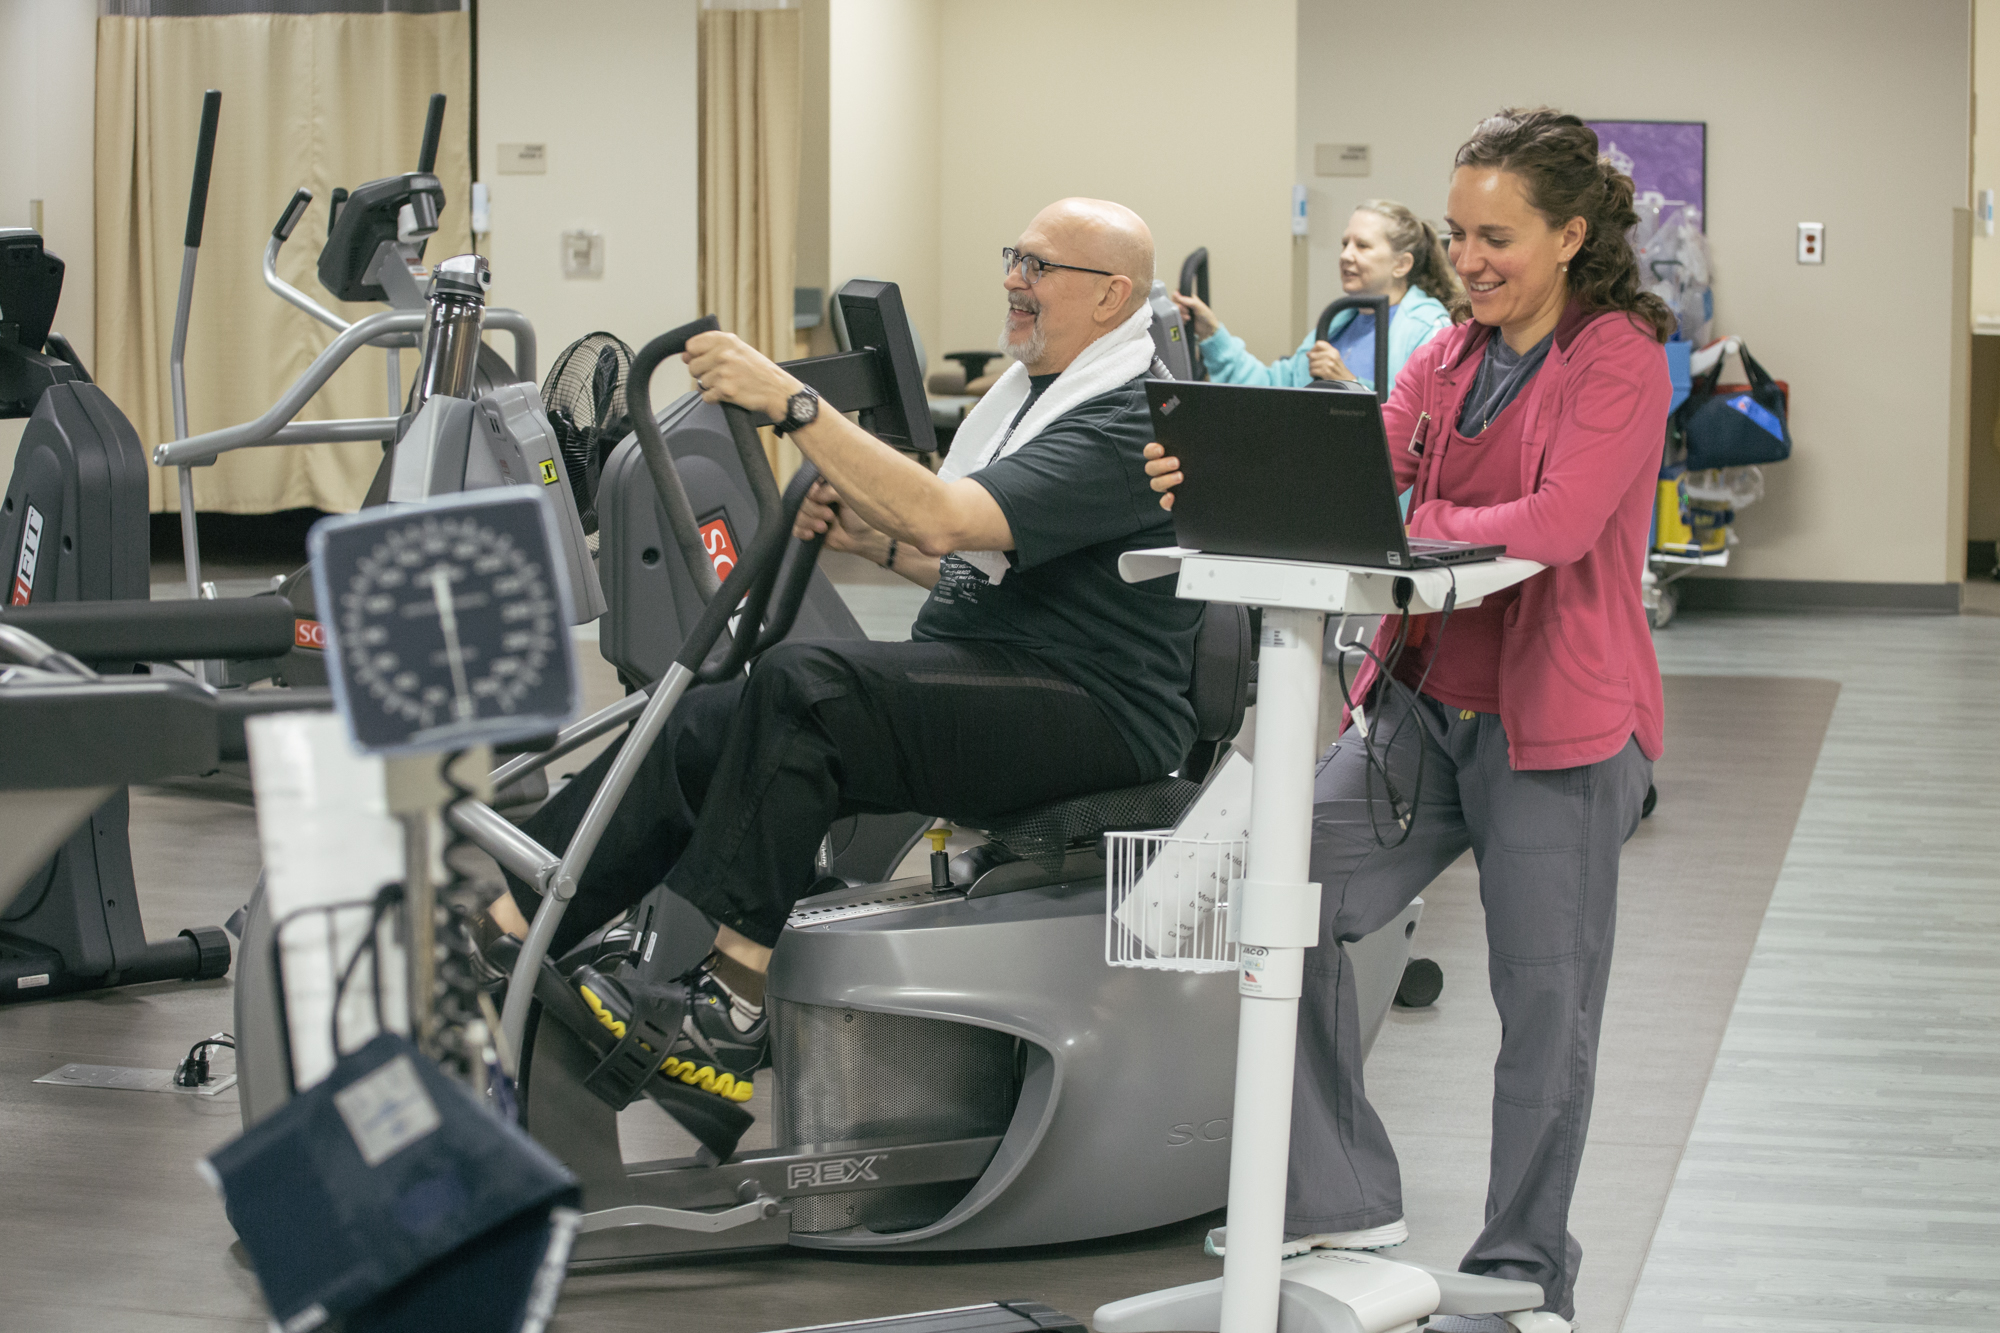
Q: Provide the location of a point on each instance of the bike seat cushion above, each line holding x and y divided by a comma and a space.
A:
1043, 833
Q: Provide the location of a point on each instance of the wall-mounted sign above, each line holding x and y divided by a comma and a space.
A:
523, 159
1340, 159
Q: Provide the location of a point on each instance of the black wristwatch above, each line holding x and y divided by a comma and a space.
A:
801, 409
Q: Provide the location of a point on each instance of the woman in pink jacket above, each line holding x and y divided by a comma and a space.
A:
1524, 728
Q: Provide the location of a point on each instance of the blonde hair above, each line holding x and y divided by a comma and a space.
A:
1430, 267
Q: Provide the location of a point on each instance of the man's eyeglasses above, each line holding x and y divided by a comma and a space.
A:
1033, 266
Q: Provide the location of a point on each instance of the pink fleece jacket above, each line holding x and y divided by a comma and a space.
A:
1577, 670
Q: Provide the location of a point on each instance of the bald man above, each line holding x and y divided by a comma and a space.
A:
1033, 673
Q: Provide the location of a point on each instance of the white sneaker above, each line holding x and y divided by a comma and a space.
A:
1527, 1321
1374, 1238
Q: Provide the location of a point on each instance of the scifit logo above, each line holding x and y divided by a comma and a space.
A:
1189, 1131
720, 544
31, 554
838, 1171
309, 634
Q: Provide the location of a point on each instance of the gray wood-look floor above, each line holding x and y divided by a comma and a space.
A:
1850, 1181
1844, 1170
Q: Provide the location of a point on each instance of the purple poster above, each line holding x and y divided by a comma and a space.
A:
1669, 157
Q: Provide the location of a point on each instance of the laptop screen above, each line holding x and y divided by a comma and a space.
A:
1286, 474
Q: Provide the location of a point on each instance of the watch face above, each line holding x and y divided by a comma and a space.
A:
447, 623
802, 409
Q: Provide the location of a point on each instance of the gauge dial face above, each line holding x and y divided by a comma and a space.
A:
447, 624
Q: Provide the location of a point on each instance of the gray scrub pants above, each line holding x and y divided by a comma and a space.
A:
1547, 845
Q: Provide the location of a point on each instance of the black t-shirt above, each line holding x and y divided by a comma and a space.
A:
1076, 497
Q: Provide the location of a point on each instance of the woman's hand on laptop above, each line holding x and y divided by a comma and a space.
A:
1165, 472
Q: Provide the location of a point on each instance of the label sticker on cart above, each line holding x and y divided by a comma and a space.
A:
387, 1111
31, 554
549, 473
1250, 972
1277, 636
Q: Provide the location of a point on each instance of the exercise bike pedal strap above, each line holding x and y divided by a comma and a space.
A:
649, 1034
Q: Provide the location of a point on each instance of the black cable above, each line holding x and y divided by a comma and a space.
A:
1386, 664
370, 946
192, 1071
1408, 819
384, 900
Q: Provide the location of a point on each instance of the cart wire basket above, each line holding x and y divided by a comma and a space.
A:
1168, 901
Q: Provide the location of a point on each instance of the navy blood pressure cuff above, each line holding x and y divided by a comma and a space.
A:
388, 1197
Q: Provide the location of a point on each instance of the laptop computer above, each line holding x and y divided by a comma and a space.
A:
1289, 474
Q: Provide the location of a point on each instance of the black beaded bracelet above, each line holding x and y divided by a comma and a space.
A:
890, 561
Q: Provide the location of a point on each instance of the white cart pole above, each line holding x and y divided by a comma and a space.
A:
1278, 920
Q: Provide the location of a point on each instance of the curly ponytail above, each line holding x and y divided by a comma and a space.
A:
1556, 158
1430, 267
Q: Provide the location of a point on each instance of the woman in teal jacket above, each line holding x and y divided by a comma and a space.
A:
1386, 251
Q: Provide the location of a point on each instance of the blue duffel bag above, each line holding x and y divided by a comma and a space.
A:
1735, 425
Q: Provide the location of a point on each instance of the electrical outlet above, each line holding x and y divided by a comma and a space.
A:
1812, 242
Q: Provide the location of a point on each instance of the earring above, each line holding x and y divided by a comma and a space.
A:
1564, 266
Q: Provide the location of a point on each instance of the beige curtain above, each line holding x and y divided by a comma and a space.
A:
319, 100
750, 96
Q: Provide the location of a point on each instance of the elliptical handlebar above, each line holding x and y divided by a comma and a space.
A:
757, 574
653, 446
288, 222
295, 209
1194, 274
1379, 305
427, 155
204, 161
795, 574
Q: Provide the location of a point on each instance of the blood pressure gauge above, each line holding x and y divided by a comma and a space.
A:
447, 622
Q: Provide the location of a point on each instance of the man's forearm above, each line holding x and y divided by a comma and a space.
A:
891, 491
903, 558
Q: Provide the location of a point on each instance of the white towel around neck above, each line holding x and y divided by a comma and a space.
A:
1123, 354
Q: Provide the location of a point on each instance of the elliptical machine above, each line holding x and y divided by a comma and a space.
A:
953, 1062
376, 237
73, 532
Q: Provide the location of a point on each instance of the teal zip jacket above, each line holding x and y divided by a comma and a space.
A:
1413, 321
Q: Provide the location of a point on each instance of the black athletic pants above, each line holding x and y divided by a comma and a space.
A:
731, 803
